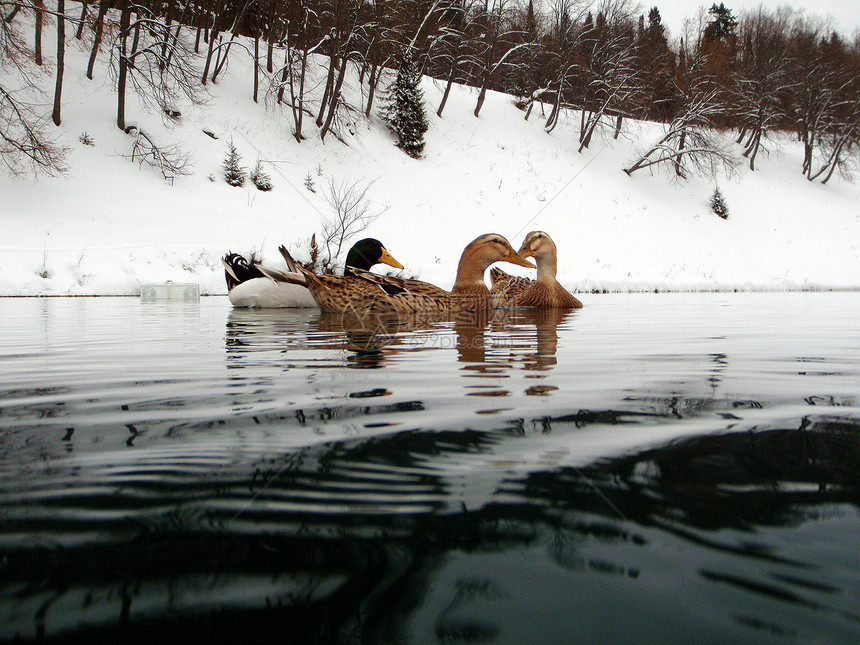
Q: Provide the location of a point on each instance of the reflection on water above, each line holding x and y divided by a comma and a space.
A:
685, 462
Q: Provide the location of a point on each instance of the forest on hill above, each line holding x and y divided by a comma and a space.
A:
755, 72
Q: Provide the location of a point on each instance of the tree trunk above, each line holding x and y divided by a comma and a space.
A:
100, 24
40, 7
333, 101
220, 62
618, 120
834, 162
168, 19
285, 72
450, 82
270, 49
205, 76
124, 24
329, 86
61, 60
298, 105
9, 17
372, 81
80, 32
199, 32
256, 66
679, 169
483, 93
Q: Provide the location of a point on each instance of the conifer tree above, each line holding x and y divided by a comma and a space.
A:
233, 172
404, 109
718, 204
260, 178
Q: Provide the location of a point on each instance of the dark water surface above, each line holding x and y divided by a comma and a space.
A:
651, 469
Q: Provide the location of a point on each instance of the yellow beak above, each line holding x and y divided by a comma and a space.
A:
526, 252
390, 261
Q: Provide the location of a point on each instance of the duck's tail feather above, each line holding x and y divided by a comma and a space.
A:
283, 276
292, 265
238, 270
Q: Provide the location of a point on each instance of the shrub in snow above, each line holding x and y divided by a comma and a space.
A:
261, 180
309, 183
233, 172
86, 139
404, 108
718, 204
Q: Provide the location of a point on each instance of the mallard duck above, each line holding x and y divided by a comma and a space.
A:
391, 294
251, 284
546, 291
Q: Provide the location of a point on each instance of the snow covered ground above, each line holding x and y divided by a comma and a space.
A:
110, 225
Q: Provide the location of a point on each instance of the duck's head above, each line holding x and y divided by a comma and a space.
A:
539, 245
490, 248
367, 253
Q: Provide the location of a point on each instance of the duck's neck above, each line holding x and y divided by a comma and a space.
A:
546, 268
470, 275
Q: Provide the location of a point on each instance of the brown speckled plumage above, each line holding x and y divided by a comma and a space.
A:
387, 293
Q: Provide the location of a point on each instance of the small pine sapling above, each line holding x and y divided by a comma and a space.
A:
86, 139
309, 183
404, 110
718, 204
261, 180
233, 172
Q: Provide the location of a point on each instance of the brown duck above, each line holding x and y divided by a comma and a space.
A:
400, 295
546, 291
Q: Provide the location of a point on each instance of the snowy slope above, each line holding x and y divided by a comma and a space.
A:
110, 224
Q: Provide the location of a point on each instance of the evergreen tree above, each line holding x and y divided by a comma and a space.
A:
404, 109
233, 172
261, 180
718, 204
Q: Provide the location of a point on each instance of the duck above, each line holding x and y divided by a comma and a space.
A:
545, 291
251, 284
375, 293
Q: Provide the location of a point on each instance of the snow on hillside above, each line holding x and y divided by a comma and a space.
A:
110, 224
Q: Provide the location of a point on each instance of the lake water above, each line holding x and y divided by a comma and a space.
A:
653, 468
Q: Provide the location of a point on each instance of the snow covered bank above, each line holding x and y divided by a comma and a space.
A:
110, 224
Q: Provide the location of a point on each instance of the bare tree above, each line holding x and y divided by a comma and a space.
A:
842, 133
762, 77
565, 69
169, 160
691, 141
610, 69
498, 48
25, 144
814, 94
351, 215
157, 79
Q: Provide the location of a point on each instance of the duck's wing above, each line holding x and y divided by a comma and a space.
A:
508, 289
392, 285
498, 277
365, 292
